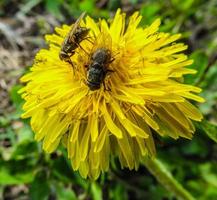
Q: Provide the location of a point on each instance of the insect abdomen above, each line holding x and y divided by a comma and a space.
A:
95, 76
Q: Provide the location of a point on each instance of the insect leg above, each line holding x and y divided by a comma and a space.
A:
109, 70
87, 38
110, 61
105, 89
70, 62
82, 48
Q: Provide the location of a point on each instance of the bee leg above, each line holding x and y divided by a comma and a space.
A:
82, 49
104, 86
87, 38
110, 61
109, 70
105, 89
70, 62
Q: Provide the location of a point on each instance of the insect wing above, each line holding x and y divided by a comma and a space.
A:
75, 26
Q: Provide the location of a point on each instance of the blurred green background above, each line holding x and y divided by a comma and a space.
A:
27, 173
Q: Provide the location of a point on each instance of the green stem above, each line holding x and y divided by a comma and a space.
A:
160, 172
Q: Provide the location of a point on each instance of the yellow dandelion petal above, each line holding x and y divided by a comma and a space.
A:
189, 110
70, 147
147, 116
101, 140
117, 26
84, 169
104, 93
104, 155
84, 143
54, 39
94, 127
46, 127
77, 158
154, 26
176, 114
110, 123
75, 131
90, 23
133, 22
126, 152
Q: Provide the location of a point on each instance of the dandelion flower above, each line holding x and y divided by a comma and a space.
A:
142, 94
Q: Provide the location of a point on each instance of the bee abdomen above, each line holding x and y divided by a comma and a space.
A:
95, 76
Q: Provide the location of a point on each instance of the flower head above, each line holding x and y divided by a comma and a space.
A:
139, 93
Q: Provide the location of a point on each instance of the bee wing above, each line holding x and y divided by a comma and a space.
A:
75, 26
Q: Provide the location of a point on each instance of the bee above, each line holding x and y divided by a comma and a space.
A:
98, 68
72, 41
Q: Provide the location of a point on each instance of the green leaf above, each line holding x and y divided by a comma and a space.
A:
114, 4
64, 193
210, 80
208, 128
54, 8
15, 97
200, 64
13, 172
119, 192
6, 178
39, 189
72, 7
9, 135
183, 5
24, 133
133, 1
209, 174
167, 25
209, 85
4, 121
87, 5
62, 170
197, 147
25, 149
149, 12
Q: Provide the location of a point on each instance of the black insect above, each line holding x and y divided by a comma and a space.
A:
72, 41
98, 68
